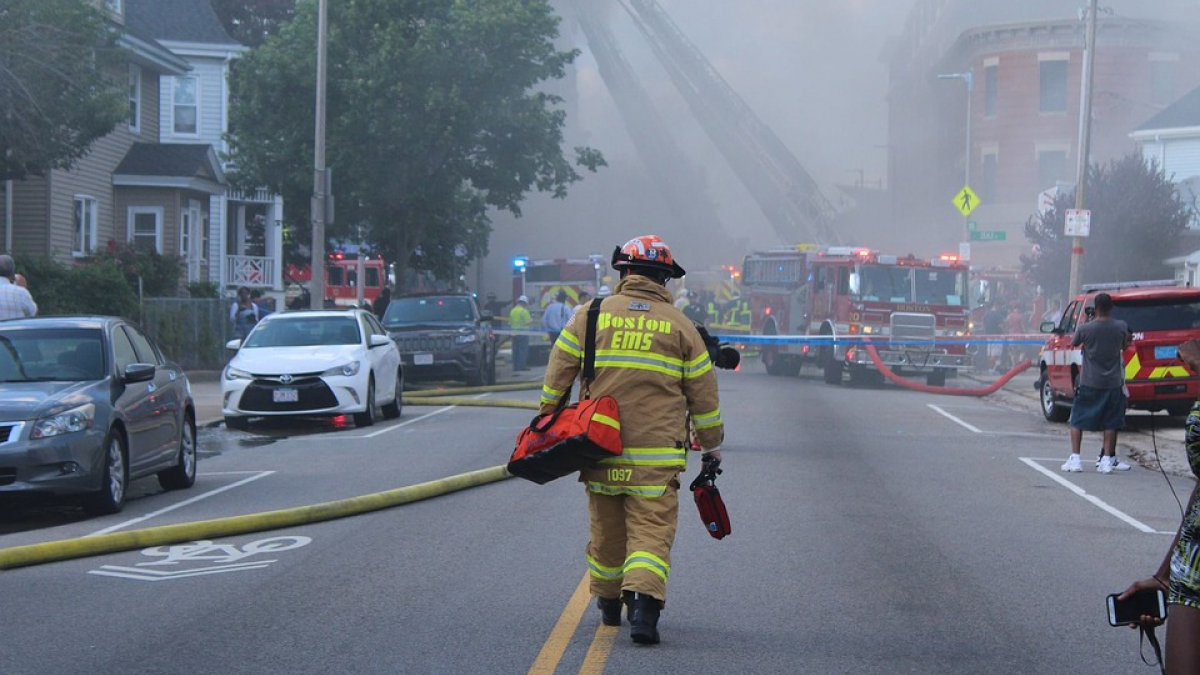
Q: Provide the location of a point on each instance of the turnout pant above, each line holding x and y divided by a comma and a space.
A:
631, 538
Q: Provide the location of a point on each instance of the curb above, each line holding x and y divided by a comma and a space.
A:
69, 549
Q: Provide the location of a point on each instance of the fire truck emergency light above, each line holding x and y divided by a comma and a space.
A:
520, 262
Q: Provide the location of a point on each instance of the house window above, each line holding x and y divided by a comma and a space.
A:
85, 226
145, 228
987, 191
135, 98
989, 90
1052, 166
113, 6
185, 106
192, 239
203, 237
1053, 85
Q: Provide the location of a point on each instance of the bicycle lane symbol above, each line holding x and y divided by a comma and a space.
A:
201, 558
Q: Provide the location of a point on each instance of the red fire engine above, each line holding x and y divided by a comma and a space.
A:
541, 280
341, 278
846, 292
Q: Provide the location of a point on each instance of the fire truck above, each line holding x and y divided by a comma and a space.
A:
908, 304
341, 278
541, 280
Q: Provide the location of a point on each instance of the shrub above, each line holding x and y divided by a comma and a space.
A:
203, 289
159, 274
95, 288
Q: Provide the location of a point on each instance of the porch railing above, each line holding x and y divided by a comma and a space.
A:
249, 271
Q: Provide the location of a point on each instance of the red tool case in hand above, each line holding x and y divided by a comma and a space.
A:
708, 500
573, 436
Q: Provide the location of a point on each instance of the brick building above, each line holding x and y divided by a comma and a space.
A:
1025, 60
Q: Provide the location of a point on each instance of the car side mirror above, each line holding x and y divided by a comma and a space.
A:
233, 345
138, 372
379, 340
1050, 327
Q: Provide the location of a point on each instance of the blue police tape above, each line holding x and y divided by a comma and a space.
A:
877, 341
857, 340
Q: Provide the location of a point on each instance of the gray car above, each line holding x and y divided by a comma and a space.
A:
88, 404
443, 336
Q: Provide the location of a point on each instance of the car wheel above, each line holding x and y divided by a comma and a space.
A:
478, 377
770, 359
110, 498
392, 410
1051, 411
236, 422
367, 417
183, 474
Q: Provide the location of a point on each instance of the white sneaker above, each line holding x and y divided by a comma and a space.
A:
1072, 465
1118, 465
1106, 465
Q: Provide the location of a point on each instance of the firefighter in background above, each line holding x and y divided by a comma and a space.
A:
519, 318
649, 357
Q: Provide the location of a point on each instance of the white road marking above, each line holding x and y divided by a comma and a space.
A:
1100, 503
186, 502
140, 574
968, 427
954, 419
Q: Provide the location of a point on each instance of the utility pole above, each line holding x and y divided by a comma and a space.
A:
1085, 137
969, 78
320, 180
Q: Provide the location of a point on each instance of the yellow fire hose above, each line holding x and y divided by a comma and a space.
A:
70, 549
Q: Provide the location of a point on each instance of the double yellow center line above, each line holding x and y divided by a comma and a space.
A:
556, 644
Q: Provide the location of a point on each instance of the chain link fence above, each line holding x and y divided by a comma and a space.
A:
191, 332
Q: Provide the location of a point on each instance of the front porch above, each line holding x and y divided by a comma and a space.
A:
253, 241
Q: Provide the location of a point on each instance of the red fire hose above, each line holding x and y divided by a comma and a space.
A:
949, 391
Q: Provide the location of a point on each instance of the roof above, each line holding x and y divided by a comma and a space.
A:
1184, 113
177, 21
174, 160
1149, 293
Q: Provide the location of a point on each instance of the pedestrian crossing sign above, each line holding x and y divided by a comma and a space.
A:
966, 200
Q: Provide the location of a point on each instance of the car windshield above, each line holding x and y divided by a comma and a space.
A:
1163, 314
51, 354
428, 310
940, 286
887, 283
304, 331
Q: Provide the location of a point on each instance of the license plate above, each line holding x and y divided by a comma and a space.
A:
1166, 353
286, 395
422, 359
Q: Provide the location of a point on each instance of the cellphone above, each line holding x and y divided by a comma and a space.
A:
1146, 602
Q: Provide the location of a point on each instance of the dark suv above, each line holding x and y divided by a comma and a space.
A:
443, 336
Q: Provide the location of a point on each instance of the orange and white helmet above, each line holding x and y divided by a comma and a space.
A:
648, 252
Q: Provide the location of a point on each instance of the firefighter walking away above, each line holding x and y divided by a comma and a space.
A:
652, 360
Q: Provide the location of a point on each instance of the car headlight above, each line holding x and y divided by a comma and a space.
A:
232, 373
75, 419
466, 338
345, 370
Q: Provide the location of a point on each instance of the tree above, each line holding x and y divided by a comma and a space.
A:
1137, 218
61, 85
251, 22
434, 118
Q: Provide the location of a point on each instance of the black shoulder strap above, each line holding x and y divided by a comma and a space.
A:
589, 343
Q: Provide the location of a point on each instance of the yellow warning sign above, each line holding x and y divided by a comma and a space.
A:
966, 200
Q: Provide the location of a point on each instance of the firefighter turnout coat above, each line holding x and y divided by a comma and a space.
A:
651, 359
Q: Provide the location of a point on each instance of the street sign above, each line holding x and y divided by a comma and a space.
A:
972, 226
989, 235
966, 200
1078, 223
964, 251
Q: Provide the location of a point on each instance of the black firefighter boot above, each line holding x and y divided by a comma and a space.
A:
610, 611
643, 617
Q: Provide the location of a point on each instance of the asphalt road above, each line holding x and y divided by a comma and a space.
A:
875, 530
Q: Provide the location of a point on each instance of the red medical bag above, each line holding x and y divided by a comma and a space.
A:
567, 440
708, 500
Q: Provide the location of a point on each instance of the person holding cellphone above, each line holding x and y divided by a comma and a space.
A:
1179, 573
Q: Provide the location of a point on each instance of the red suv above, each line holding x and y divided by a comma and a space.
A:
1160, 315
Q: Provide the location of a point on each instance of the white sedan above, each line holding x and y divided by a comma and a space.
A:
313, 363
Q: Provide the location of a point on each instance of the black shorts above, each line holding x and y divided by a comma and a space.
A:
1098, 409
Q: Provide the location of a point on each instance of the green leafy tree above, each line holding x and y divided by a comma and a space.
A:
1137, 218
434, 117
251, 22
61, 86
